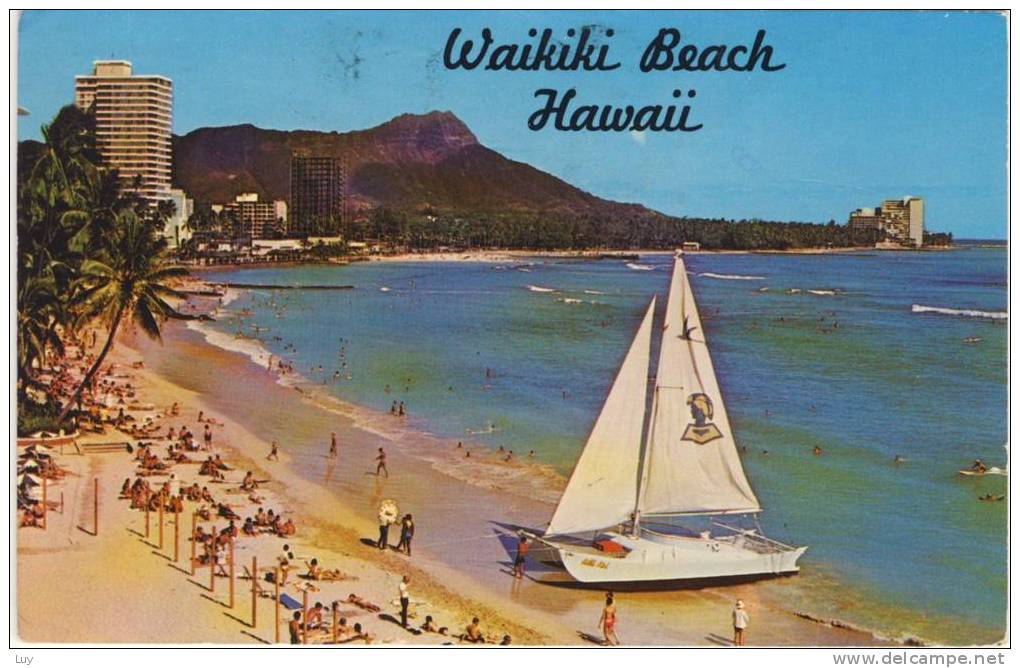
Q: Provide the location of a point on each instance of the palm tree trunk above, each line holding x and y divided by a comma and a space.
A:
76, 397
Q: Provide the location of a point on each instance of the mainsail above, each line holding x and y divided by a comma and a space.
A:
691, 463
601, 489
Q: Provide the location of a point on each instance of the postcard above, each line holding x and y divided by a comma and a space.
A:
511, 328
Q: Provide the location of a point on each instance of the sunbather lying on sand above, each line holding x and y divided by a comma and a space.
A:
316, 572
363, 604
430, 626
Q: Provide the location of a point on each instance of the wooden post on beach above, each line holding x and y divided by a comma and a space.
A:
304, 617
148, 498
276, 606
194, 523
95, 509
44, 520
212, 561
231, 566
335, 606
254, 591
161, 522
61, 503
177, 532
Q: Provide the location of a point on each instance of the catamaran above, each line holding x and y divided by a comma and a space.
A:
657, 488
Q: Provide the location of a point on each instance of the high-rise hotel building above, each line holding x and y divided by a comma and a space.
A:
134, 120
317, 191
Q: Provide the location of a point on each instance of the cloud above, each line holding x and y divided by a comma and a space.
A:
638, 136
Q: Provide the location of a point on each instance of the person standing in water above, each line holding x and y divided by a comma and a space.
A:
740, 622
381, 466
522, 555
332, 445
608, 622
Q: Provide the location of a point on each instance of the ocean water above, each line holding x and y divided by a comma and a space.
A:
862, 354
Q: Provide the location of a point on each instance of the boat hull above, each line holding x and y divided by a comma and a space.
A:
676, 560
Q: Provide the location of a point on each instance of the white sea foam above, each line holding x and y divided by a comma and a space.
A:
965, 312
640, 267
731, 277
251, 348
538, 288
824, 293
384, 289
570, 300
593, 292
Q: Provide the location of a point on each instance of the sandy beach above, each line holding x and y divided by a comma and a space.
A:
137, 593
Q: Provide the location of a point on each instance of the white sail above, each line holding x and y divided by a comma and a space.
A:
691, 463
603, 486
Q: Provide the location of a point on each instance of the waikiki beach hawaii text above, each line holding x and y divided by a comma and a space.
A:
586, 50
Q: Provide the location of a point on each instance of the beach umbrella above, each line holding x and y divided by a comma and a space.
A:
389, 511
28, 480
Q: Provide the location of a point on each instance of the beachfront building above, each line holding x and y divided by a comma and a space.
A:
897, 220
257, 219
317, 190
176, 230
134, 117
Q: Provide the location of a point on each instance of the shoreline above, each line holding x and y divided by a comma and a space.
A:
513, 256
552, 615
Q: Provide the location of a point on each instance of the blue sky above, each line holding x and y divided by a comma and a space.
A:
871, 105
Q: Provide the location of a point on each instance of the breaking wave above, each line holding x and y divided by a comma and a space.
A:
965, 312
731, 277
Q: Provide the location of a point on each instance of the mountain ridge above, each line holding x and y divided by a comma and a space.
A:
411, 161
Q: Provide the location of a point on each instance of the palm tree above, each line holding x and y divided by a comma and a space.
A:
127, 279
40, 311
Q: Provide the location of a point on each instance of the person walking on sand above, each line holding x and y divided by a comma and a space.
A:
208, 437
332, 445
608, 622
740, 622
405, 599
381, 466
522, 554
274, 453
400, 410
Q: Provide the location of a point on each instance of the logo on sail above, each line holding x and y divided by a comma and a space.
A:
701, 431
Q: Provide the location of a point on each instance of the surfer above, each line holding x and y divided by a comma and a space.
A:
816, 451
978, 466
898, 460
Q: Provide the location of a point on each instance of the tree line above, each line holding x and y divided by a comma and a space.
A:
430, 229
90, 255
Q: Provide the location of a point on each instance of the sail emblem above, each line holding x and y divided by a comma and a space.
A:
701, 431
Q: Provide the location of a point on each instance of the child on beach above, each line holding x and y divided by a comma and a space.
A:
274, 453
740, 622
381, 466
332, 446
608, 622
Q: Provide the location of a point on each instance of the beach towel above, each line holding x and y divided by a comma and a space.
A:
289, 602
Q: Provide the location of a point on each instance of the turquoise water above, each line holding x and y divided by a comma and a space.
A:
908, 547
